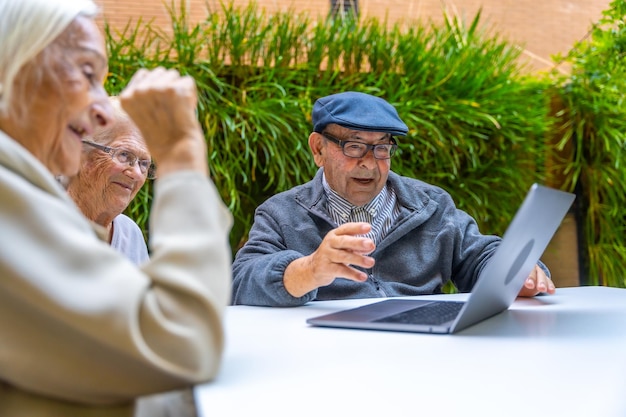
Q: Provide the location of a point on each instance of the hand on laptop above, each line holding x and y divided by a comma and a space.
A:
537, 282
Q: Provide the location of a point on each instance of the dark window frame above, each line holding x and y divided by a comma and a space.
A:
343, 8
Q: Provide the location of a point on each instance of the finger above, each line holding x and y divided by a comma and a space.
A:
345, 250
537, 282
146, 80
138, 76
353, 228
356, 259
350, 237
531, 280
326, 264
544, 283
352, 244
539, 278
332, 259
353, 274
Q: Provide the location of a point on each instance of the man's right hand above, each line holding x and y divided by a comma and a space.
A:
341, 248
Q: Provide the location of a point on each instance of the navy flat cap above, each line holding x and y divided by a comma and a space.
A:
357, 111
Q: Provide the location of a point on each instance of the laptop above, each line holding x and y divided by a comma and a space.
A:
501, 280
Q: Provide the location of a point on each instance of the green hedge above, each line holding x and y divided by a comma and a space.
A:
478, 125
593, 135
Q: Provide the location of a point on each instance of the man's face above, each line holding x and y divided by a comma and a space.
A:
358, 180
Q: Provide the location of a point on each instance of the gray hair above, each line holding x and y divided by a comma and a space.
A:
27, 27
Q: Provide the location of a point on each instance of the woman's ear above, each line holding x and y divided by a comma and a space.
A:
316, 144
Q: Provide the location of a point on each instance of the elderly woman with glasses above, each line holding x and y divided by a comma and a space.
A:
359, 230
84, 331
115, 164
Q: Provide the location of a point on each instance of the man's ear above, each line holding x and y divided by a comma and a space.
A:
316, 144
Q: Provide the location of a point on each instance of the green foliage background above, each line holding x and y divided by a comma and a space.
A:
593, 136
479, 127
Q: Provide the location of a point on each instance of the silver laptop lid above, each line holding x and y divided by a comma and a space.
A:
523, 243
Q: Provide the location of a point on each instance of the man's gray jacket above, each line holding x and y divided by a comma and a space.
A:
431, 243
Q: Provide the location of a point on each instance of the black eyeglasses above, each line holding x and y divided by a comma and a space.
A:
359, 149
123, 156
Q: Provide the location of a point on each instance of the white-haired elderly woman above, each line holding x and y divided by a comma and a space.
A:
115, 165
84, 330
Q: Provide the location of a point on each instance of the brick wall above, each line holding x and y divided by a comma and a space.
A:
541, 27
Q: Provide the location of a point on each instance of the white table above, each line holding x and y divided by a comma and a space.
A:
559, 355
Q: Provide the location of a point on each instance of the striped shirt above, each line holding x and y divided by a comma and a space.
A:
381, 212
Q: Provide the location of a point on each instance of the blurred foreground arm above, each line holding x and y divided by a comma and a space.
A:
162, 104
104, 330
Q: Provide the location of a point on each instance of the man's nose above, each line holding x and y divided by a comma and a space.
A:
368, 159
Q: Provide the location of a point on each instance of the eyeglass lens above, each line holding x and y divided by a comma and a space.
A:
360, 149
126, 157
145, 165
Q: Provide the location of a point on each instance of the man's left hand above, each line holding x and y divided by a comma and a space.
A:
537, 282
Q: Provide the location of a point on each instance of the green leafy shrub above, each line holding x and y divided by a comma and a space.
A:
593, 134
476, 124
480, 127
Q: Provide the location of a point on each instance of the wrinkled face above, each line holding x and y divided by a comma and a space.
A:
104, 187
61, 98
358, 180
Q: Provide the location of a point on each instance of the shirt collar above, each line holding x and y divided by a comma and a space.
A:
344, 207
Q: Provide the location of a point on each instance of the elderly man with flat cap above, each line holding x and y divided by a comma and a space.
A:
358, 230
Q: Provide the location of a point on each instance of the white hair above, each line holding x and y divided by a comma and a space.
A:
27, 27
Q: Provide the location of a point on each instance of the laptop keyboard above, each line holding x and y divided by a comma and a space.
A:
435, 313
